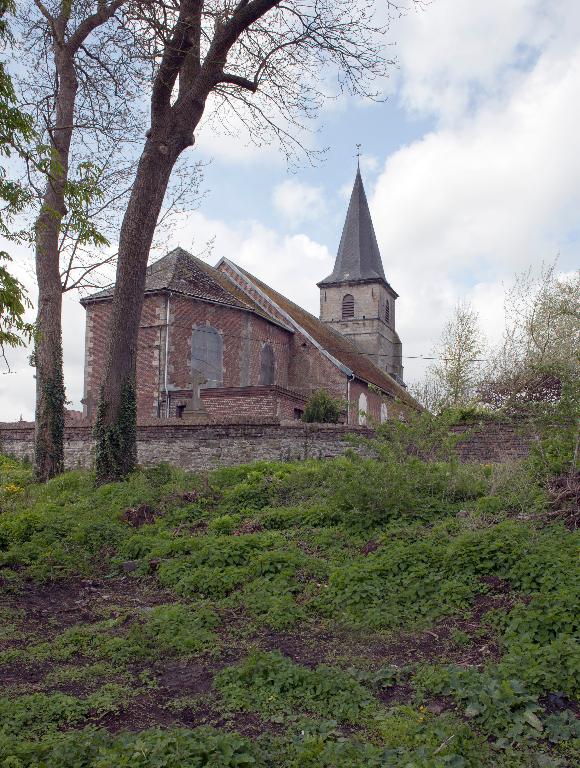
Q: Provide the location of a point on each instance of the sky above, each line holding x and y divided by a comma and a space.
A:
471, 167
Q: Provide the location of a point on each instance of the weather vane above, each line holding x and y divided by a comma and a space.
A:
358, 146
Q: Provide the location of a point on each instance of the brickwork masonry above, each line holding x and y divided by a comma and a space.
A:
204, 447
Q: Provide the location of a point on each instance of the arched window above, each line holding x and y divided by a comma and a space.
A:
348, 305
384, 413
387, 311
207, 355
267, 364
362, 409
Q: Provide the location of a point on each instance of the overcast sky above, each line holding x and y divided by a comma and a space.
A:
472, 169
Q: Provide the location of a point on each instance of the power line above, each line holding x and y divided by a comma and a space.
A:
333, 350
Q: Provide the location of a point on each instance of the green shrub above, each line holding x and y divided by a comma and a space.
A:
322, 408
270, 684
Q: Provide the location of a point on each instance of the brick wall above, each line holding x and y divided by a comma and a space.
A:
222, 403
492, 441
150, 353
243, 334
202, 447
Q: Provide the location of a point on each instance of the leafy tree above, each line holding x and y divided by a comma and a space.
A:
262, 61
69, 56
80, 79
538, 357
452, 381
14, 126
322, 408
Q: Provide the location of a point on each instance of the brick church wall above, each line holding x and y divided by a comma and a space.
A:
148, 354
243, 336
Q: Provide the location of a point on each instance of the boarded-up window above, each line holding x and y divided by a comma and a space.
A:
267, 365
384, 413
387, 311
348, 305
207, 352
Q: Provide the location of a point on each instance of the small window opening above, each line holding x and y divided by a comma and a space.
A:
179, 411
387, 311
298, 414
348, 306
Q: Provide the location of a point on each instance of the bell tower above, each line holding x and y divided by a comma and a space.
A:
356, 299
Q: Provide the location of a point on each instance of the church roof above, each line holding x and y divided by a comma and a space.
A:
180, 272
332, 342
358, 256
183, 273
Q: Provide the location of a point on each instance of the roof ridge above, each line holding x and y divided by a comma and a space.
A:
343, 344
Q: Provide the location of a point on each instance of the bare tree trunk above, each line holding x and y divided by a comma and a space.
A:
294, 44
50, 393
116, 420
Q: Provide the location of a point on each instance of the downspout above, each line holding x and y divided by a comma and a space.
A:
348, 380
165, 383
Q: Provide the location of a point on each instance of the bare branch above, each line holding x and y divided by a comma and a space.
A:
242, 82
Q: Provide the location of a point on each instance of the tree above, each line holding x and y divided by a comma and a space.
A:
77, 59
452, 381
14, 126
538, 356
262, 60
65, 28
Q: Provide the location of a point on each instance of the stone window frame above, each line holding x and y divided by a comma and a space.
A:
384, 412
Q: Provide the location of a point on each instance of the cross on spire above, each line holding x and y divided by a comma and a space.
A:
358, 146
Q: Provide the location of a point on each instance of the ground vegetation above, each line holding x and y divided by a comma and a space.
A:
373, 610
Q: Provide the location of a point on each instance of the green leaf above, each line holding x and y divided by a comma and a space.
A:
533, 720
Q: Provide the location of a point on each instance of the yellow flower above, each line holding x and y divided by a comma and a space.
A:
13, 488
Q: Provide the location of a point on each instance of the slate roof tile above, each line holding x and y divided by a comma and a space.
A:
358, 257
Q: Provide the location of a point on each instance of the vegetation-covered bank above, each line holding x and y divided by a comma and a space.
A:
341, 614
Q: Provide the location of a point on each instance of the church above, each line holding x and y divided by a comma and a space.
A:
217, 344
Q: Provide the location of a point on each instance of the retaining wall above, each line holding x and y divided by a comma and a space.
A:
205, 446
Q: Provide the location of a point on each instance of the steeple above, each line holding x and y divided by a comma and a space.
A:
356, 300
358, 255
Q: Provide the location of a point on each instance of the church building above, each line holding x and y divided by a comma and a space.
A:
217, 344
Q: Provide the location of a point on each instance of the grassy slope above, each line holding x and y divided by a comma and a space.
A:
340, 614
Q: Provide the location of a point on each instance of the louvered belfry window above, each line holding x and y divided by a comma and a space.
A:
348, 306
387, 311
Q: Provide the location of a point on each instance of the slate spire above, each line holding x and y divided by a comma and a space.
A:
358, 255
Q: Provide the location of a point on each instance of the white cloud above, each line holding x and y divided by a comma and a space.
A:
297, 202
489, 192
455, 54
